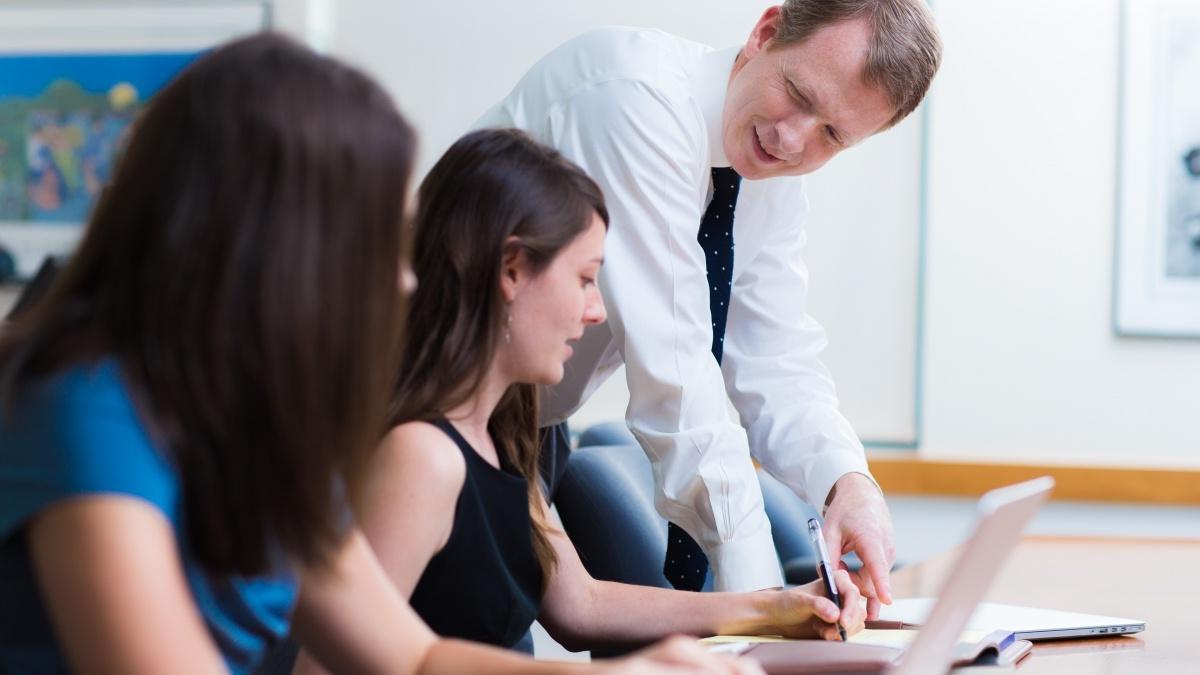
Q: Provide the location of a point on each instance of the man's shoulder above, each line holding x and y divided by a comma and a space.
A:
641, 75
633, 40
647, 56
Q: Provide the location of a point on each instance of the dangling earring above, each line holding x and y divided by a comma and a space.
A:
507, 327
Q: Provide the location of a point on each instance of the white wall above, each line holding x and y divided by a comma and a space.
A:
1020, 359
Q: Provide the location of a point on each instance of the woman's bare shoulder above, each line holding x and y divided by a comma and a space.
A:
419, 452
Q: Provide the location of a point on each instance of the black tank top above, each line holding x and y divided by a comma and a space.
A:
485, 584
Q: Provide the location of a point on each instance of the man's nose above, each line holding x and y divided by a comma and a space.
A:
793, 133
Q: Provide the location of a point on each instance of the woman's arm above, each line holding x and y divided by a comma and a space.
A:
582, 613
114, 586
409, 499
353, 620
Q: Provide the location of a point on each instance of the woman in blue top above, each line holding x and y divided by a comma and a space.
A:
185, 418
509, 243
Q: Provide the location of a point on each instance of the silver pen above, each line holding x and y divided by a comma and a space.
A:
825, 569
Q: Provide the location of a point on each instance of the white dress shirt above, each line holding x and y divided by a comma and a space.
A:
640, 111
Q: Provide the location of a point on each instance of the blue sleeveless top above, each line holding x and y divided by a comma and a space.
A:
77, 433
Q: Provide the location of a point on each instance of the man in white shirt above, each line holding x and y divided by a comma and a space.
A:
653, 118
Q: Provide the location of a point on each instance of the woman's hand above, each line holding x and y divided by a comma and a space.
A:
805, 612
676, 656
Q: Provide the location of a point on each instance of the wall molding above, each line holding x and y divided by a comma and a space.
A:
912, 475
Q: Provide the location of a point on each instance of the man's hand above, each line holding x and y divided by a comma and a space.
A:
857, 519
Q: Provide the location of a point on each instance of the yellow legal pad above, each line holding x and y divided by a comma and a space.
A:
897, 639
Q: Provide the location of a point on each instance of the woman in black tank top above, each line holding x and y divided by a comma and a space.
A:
488, 562
509, 243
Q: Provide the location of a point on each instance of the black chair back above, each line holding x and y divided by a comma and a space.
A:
606, 505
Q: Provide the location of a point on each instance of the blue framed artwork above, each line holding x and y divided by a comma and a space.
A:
63, 118
73, 79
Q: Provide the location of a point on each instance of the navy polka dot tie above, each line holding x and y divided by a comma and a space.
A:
686, 565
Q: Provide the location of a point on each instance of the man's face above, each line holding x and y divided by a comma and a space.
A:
788, 110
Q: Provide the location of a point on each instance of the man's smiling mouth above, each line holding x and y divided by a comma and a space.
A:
761, 151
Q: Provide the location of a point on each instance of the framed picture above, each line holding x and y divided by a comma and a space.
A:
1157, 280
72, 80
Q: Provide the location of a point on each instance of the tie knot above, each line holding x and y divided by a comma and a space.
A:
725, 180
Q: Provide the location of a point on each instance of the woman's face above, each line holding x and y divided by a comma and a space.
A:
550, 310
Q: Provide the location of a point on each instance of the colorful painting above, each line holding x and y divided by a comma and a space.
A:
63, 120
74, 78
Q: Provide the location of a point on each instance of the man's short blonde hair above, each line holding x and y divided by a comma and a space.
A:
905, 49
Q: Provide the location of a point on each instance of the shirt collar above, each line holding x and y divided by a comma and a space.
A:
710, 84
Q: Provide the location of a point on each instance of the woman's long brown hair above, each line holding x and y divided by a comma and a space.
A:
489, 186
242, 269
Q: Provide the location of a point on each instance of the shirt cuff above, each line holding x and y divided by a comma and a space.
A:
829, 471
749, 564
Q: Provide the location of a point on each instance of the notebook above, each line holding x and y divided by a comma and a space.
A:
1002, 515
1028, 623
877, 648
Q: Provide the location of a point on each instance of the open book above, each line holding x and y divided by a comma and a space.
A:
866, 650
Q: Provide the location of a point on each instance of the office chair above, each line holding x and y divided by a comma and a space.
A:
607, 495
606, 504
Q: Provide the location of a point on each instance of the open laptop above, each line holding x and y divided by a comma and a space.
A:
1002, 515
1027, 623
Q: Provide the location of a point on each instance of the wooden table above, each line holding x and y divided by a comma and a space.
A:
1157, 581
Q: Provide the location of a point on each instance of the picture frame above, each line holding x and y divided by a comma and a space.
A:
1157, 256
73, 77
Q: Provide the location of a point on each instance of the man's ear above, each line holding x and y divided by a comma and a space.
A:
513, 267
764, 31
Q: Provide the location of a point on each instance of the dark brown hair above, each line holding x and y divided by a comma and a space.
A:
242, 269
489, 186
904, 52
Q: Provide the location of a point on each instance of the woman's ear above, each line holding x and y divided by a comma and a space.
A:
513, 268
